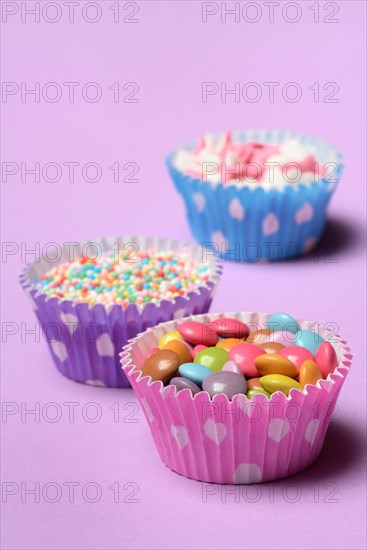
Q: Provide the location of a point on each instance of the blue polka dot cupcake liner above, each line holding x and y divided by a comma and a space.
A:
84, 340
243, 224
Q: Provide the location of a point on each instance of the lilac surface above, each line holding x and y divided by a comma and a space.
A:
169, 53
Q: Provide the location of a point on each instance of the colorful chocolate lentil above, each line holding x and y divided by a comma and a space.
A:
236, 365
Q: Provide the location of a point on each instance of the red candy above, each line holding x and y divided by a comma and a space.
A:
326, 358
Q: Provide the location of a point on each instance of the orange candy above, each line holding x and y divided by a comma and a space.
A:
181, 349
271, 363
259, 336
254, 384
309, 373
229, 343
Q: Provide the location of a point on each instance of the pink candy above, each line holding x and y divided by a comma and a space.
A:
230, 328
296, 354
197, 333
244, 355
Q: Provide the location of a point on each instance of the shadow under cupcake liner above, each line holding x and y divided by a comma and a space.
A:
238, 441
249, 225
85, 341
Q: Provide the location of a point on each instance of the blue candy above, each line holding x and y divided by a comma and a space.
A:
194, 372
282, 321
309, 340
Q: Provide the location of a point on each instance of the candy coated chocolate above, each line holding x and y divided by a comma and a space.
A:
182, 383
308, 339
251, 393
271, 363
309, 373
296, 354
222, 356
197, 349
181, 348
279, 382
282, 321
214, 358
150, 352
326, 358
271, 347
198, 333
230, 328
282, 337
231, 366
162, 365
194, 372
172, 335
258, 336
229, 343
228, 383
244, 355
189, 346
254, 384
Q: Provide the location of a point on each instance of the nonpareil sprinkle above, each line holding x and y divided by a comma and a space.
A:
152, 277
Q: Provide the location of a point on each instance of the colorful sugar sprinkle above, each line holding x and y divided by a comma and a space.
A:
147, 276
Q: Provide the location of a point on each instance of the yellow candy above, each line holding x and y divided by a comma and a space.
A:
173, 335
279, 382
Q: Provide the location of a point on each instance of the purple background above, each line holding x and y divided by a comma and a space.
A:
169, 53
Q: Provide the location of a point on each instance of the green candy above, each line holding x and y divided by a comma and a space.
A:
251, 393
213, 358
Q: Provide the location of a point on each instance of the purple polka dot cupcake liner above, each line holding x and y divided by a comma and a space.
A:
84, 340
240, 441
243, 224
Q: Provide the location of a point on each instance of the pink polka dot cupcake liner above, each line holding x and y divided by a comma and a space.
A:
245, 224
85, 341
240, 441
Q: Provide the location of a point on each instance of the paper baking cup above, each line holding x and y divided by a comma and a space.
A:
85, 341
238, 441
249, 225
